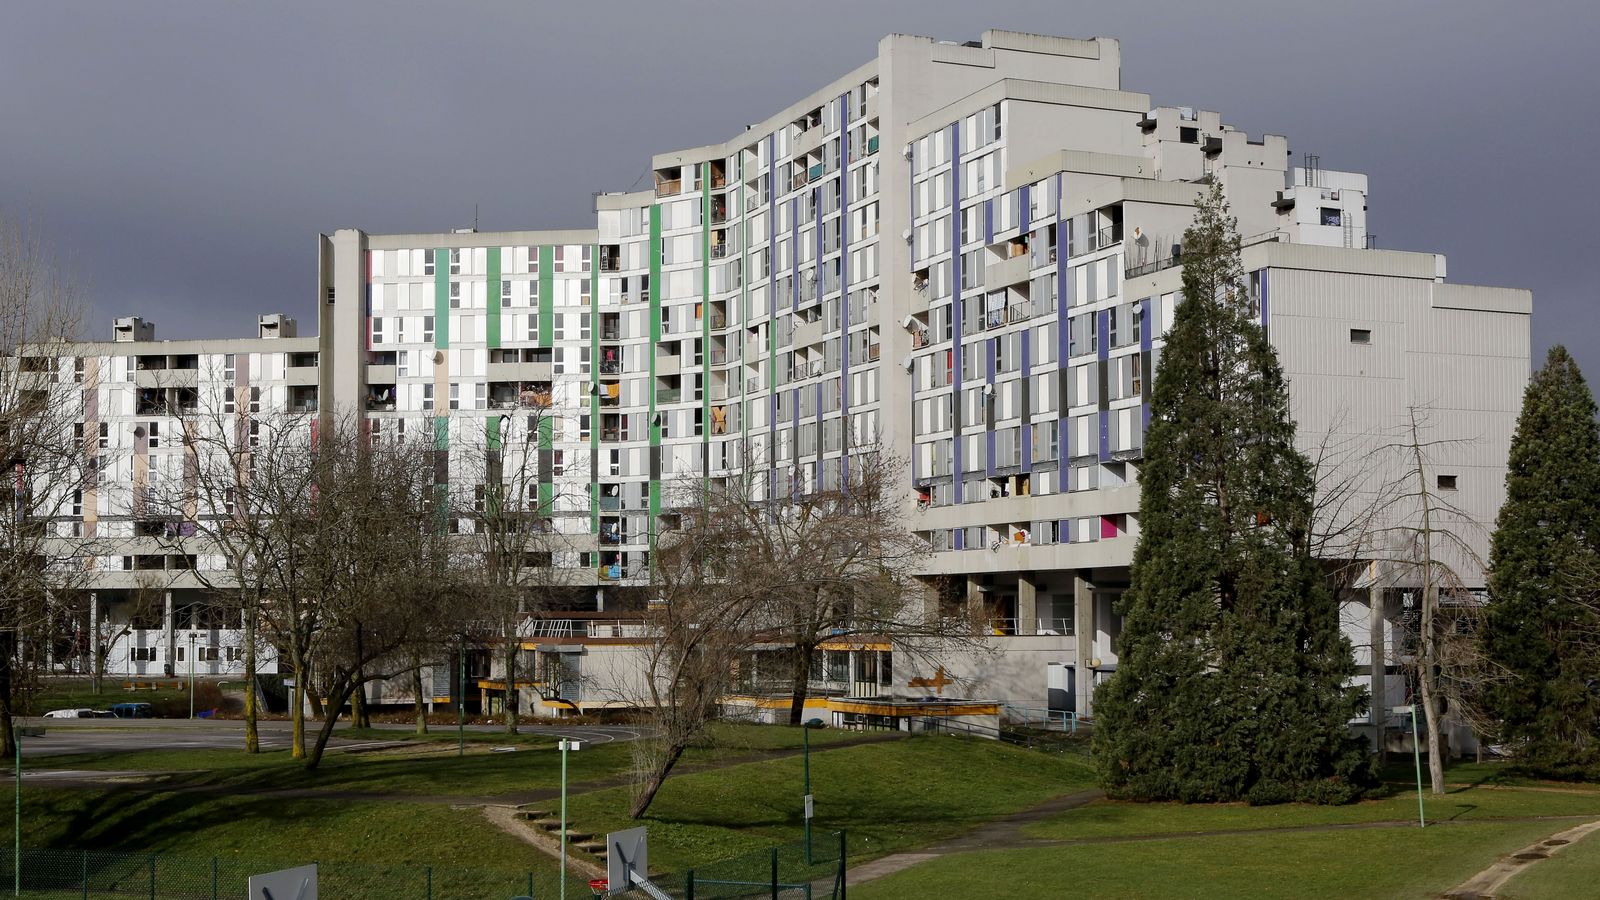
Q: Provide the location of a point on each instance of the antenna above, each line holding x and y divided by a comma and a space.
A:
474, 217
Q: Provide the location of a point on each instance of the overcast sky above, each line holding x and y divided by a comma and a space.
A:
185, 155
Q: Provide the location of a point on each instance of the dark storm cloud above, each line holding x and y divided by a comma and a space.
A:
186, 155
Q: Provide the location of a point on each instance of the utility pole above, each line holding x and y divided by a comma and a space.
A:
461, 699
565, 744
191, 675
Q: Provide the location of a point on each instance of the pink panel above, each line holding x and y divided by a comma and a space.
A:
1108, 527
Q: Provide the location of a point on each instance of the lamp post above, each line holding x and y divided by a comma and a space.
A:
565, 744
191, 675
1416, 754
461, 698
16, 859
805, 755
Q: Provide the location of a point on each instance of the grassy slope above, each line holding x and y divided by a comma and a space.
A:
1574, 872
886, 797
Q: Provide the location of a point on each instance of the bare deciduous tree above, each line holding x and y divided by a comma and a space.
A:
46, 465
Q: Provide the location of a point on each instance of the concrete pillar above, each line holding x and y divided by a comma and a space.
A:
169, 623
977, 610
1083, 629
1379, 660
1027, 604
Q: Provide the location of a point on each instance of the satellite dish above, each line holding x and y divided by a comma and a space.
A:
438, 357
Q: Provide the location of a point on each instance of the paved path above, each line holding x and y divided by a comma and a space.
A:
1484, 884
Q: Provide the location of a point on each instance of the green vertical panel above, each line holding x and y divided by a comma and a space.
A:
492, 295
655, 338
547, 489
594, 389
441, 433
492, 432
441, 298
547, 296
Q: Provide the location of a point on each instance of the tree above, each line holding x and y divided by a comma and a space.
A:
1232, 678
1541, 619
699, 624
380, 554
513, 541
46, 459
145, 600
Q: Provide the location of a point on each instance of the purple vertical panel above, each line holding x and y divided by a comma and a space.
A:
1146, 340
844, 285
958, 539
794, 254
1102, 325
988, 221
989, 348
1064, 291
772, 312
956, 455
1023, 212
1026, 450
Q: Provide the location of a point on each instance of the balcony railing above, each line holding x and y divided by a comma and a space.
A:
610, 264
719, 251
800, 180
718, 357
753, 384
611, 367
669, 188
668, 395
1055, 625
815, 172
872, 144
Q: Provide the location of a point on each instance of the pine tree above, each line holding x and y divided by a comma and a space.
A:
1541, 619
1233, 676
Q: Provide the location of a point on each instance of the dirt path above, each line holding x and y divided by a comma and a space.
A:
505, 819
1484, 884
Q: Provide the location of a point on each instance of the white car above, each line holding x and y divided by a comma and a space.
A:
70, 714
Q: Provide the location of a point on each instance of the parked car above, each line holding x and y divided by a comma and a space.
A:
130, 710
70, 714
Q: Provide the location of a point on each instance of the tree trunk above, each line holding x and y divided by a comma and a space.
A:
297, 713
252, 737
315, 695
657, 778
801, 682
341, 692
418, 705
512, 694
1428, 645
358, 710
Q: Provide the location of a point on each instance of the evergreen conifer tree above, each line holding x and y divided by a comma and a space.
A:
1541, 622
1232, 679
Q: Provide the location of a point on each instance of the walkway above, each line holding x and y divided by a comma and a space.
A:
1483, 885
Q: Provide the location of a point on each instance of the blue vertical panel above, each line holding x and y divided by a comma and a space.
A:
772, 313
1023, 211
1102, 324
958, 539
988, 221
955, 302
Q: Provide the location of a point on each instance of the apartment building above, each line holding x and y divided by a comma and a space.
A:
965, 252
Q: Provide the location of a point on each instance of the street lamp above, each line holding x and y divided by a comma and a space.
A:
191, 675
805, 743
565, 744
1416, 753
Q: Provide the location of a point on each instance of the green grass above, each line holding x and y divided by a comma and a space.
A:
431, 766
1107, 818
1572, 872
885, 796
170, 700
1367, 863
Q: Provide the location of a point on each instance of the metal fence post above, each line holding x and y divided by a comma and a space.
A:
213, 878
430, 881
841, 865
688, 885
530, 884
152, 877
86, 875
774, 873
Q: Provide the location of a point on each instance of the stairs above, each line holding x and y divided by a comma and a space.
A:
547, 822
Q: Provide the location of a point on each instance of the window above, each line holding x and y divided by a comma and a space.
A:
1331, 216
1447, 482
142, 654
235, 654
229, 366
255, 399
455, 261
105, 434
427, 397
455, 395
1360, 335
455, 293
427, 329
1189, 135
505, 293
427, 262
255, 433
154, 431
403, 362
228, 404
377, 329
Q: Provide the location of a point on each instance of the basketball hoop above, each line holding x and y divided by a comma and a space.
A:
599, 886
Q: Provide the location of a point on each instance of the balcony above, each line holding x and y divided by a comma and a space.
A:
1009, 271
669, 395
611, 367
610, 263
668, 187
667, 364
800, 180
808, 333
719, 251
753, 383
610, 435
718, 355
1105, 237
816, 172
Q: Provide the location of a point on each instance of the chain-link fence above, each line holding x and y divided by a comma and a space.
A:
786, 872
63, 874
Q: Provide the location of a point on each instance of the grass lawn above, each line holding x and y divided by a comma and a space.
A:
886, 796
432, 766
1574, 872
1367, 863
1108, 818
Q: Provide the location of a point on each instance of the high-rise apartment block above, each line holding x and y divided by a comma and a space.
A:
967, 253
